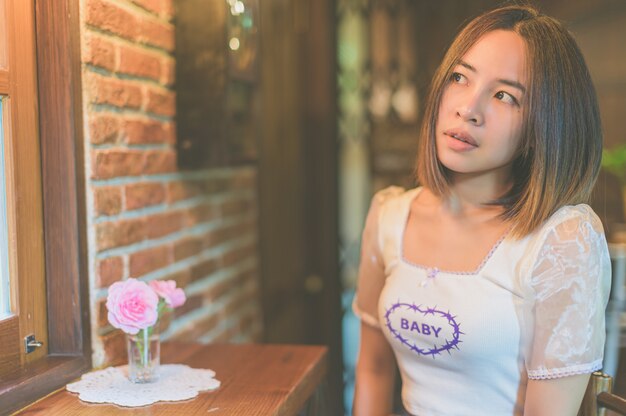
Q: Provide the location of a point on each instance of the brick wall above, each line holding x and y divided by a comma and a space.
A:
147, 219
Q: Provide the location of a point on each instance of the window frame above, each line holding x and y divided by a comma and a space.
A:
64, 209
22, 177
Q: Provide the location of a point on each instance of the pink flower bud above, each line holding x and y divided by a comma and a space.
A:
173, 296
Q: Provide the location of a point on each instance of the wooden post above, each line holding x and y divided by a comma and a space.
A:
598, 383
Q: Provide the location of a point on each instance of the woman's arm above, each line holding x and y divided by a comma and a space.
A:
376, 365
375, 374
570, 280
558, 396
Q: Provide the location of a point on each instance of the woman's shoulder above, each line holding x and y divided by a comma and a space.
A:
393, 196
572, 229
569, 226
573, 217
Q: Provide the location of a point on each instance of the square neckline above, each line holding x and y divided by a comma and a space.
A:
494, 248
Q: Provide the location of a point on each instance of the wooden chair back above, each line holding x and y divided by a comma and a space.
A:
599, 398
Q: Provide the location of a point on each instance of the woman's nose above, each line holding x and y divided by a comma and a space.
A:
470, 111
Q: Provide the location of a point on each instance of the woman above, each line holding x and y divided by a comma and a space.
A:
487, 284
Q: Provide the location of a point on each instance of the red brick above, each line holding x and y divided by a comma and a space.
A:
119, 233
244, 179
198, 328
114, 344
256, 335
199, 214
216, 185
247, 279
246, 322
107, 200
225, 183
221, 235
179, 190
111, 163
238, 302
165, 320
163, 224
252, 287
237, 255
193, 302
250, 276
149, 260
235, 207
190, 188
243, 228
220, 289
156, 33
168, 9
182, 277
160, 161
213, 238
187, 247
154, 6
115, 92
99, 52
168, 71
144, 194
145, 131
230, 232
109, 271
249, 322
170, 132
103, 128
111, 18
227, 335
205, 325
203, 269
161, 102
243, 280
135, 61
102, 320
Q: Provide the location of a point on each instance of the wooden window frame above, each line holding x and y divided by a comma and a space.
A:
22, 177
64, 210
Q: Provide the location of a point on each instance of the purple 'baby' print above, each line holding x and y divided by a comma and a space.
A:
424, 330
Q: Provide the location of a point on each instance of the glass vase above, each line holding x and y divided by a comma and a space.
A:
144, 355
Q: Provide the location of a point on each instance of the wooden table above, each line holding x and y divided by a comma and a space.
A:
256, 380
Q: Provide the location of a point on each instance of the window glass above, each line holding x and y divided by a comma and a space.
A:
5, 306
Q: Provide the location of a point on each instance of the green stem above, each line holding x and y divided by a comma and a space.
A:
142, 339
139, 345
146, 346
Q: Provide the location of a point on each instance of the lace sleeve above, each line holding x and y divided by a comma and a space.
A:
371, 267
571, 282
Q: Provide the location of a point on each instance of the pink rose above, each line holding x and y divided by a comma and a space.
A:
132, 306
173, 296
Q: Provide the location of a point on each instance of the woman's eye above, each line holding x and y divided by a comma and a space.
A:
459, 78
506, 98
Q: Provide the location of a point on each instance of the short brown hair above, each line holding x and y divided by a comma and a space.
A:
561, 145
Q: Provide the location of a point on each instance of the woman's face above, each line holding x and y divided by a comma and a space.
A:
479, 122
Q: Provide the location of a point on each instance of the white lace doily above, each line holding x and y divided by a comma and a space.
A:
111, 385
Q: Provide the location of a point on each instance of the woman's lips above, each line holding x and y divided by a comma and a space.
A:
461, 136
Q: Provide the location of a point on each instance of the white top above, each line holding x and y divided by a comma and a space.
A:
466, 343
